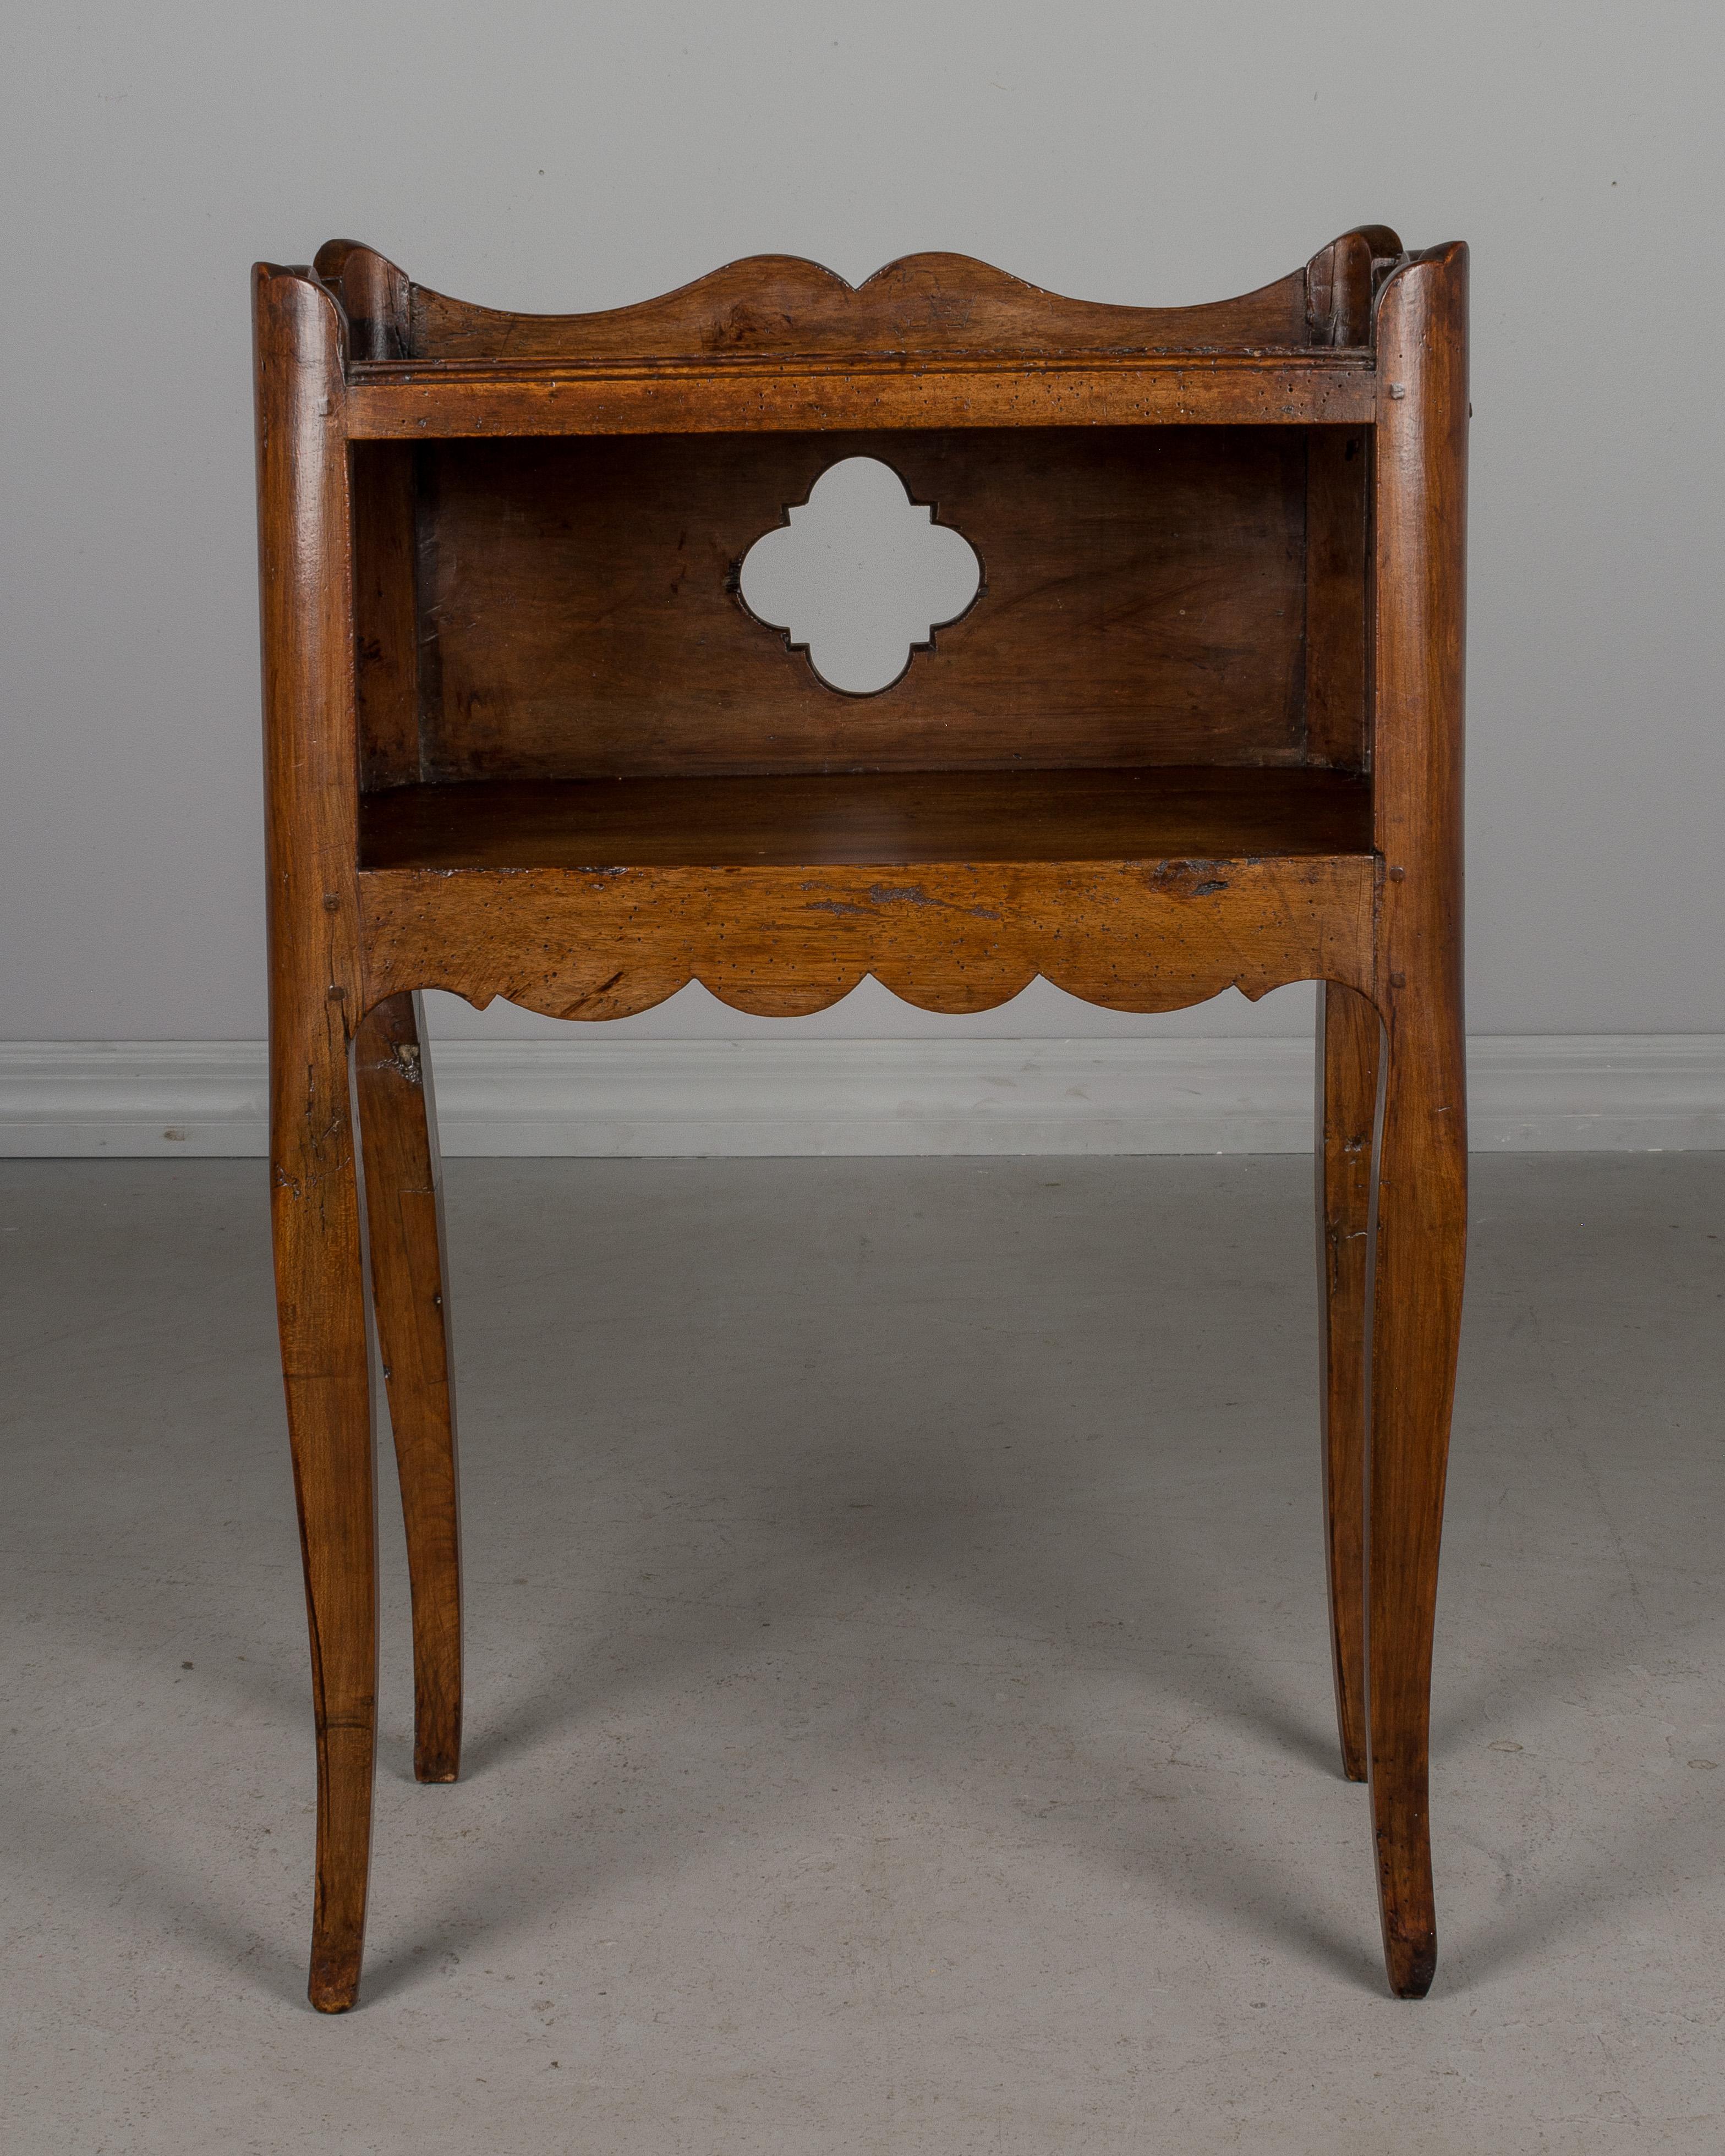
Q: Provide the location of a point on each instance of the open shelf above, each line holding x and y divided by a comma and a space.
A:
870, 820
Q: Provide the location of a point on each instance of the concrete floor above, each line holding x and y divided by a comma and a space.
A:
900, 1712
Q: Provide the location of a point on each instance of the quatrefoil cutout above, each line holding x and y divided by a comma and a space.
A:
859, 576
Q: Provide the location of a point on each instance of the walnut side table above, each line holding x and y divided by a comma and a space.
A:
1201, 727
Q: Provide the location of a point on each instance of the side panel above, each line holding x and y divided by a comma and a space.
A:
385, 619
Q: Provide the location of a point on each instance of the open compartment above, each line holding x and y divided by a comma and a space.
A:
1166, 656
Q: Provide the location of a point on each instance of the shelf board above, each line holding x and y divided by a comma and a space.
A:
870, 820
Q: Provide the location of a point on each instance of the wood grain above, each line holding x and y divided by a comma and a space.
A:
418, 403
922, 304
870, 818
1341, 281
404, 1217
374, 296
310, 750
1347, 1065
1334, 688
1420, 1243
1142, 602
781, 942
386, 613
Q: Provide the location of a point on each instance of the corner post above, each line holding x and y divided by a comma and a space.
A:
1418, 1250
305, 570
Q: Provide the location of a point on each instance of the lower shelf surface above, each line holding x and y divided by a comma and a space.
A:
870, 820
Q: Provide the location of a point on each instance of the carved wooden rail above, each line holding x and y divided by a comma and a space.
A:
1200, 727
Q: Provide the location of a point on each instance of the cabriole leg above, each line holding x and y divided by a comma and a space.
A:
404, 1218
1418, 1259
321, 1303
1347, 1034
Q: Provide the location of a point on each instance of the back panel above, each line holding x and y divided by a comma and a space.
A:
1144, 601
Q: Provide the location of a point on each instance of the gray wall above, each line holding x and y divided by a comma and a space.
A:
555, 155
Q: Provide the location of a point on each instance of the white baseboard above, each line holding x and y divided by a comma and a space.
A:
1528, 1093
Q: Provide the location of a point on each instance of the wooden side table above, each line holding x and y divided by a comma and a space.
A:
1200, 727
